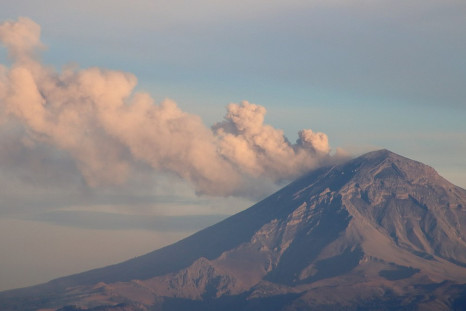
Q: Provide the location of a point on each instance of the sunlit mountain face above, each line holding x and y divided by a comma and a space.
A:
378, 232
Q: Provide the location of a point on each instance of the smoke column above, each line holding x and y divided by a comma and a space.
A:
94, 117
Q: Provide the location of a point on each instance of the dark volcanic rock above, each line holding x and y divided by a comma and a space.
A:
378, 232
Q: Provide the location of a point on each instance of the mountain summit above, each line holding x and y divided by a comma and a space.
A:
378, 232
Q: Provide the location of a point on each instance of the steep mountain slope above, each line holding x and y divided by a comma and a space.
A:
380, 231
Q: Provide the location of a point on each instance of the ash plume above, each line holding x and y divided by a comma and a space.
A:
94, 117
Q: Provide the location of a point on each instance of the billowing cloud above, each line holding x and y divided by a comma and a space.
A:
22, 38
257, 149
95, 117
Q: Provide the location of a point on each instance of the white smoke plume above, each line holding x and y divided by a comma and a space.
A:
96, 118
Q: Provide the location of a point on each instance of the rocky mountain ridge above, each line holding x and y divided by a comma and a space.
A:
380, 231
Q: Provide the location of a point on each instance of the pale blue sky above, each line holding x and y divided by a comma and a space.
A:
369, 74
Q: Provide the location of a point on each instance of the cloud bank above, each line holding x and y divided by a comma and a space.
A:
95, 118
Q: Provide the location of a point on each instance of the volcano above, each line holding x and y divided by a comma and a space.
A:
378, 232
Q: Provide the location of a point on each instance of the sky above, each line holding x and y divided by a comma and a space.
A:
126, 126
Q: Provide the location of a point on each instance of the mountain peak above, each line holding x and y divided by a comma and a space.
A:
385, 164
379, 156
381, 153
381, 167
373, 232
